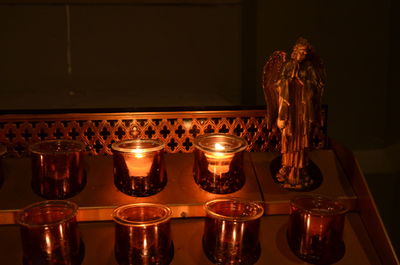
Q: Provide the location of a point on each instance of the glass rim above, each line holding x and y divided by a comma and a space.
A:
257, 204
35, 147
159, 145
167, 214
242, 143
343, 208
48, 203
3, 149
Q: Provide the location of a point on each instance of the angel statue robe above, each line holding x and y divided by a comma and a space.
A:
296, 91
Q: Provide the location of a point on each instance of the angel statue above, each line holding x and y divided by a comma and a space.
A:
293, 91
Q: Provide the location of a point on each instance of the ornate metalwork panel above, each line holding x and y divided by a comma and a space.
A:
177, 129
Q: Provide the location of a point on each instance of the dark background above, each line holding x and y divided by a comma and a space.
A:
136, 54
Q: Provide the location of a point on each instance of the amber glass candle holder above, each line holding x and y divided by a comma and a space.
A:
218, 164
143, 234
50, 234
231, 231
57, 168
139, 168
315, 230
3, 150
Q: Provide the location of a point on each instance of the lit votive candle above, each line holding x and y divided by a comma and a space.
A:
218, 166
139, 167
218, 162
140, 163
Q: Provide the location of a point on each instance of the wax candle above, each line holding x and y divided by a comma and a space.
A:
218, 162
218, 165
139, 167
139, 164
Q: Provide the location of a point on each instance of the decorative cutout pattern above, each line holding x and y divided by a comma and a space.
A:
176, 129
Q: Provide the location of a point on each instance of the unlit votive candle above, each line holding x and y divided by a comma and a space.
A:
50, 234
315, 230
231, 231
57, 168
143, 234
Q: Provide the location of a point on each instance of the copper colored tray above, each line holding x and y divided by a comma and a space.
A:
365, 236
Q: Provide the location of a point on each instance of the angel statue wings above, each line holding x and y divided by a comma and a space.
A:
293, 90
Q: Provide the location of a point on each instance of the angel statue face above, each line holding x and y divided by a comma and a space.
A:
299, 52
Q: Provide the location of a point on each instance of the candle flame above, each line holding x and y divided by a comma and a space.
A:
219, 147
138, 152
